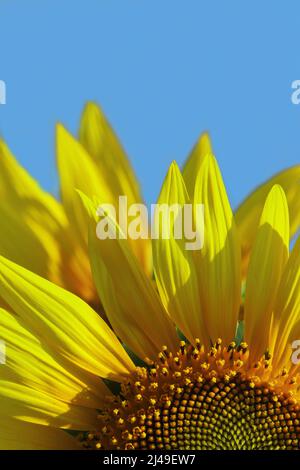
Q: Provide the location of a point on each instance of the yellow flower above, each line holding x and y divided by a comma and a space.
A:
211, 391
34, 222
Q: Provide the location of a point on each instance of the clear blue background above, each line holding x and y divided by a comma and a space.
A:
163, 71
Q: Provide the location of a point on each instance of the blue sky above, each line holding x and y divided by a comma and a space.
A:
163, 71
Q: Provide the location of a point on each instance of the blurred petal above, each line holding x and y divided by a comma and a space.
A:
100, 141
268, 259
219, 263
19, 242
68, 325
98, 138
248, 213
174, 265
76, 270
31, 220
77, 171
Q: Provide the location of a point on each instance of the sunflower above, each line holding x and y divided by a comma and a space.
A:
171, 373
33, 221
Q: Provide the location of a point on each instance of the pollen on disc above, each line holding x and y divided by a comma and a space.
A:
201, 400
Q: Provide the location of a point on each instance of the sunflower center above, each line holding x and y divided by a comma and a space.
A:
197, 400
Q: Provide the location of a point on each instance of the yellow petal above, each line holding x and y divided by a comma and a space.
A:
77, 171
18, 435
219, 263
98, 138
248, 213
268, 259
194, 161
31, 220
128, 296
67, 324
20, 243
287, 308
26, 404
287, 355
174, 262
31, 363
76, 271
111, 161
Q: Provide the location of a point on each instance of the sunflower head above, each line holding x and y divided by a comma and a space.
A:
201, 400
195, 356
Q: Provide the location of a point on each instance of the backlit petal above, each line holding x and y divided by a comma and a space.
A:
248, 213
287, 309
219, 263
30, 362
26, 404
174, 262
267, 262
66, 323
194, 161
